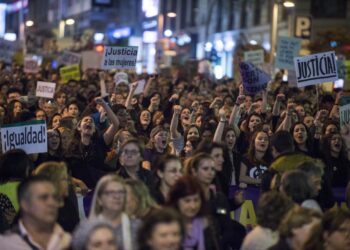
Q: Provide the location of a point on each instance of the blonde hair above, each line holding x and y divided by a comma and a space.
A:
96, 208
53, 171
296, 218
145, 203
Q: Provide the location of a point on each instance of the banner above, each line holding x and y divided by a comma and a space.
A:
7, 50
287, 49
71, 72
119, 57
45, 89
69, 58
315, 69
256, 57
246, 213
31, 65
28, 136
254, 79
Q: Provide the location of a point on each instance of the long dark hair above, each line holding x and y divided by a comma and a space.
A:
308, 142
326, 147
251, 150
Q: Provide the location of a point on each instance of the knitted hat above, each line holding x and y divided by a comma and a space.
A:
121, 77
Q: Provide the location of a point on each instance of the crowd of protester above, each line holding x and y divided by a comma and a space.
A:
164, 169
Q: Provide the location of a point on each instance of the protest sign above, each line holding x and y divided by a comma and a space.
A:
344, 110
29, 136
69, 58
119, 57
91, 60
31, 65
7, 50
256, 57
287, 49
315, 69
71, 72
254, 79
45, 89
140, 87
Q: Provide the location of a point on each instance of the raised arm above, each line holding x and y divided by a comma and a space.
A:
220, 128
264, 102
148, 87
103, 84
276, 110
215, 105
318, 125
287, 121
130, 95
108, 136
174, 133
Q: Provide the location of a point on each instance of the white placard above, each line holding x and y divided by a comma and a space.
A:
315, 69
256, 57
29, 136
45, 89
119, 57
140, 87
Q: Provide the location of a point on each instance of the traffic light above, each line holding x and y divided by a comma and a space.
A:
99, 48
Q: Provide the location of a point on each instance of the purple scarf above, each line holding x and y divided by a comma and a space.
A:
195, 238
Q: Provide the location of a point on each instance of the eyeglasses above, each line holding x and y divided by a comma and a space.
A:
130, 152
118, 193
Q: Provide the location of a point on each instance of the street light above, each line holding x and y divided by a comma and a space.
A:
288, 4
70, 21
168, 33
29, 23
171, 14
274, 29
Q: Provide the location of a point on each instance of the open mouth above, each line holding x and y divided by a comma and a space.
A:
87, 126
